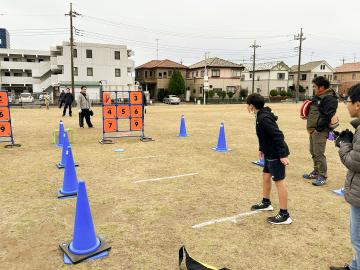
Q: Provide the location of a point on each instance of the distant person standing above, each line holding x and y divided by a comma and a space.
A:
68, 99
84, 106
47, 100
61, 98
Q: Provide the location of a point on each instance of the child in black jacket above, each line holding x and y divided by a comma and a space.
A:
274, 150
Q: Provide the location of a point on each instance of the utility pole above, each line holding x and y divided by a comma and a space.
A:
157, 49
254, 46
206, 80
301, 38
343, 60
72, 14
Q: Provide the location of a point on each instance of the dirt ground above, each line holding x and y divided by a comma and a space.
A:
146, 223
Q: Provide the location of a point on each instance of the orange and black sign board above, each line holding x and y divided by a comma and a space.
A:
123, 112
6, 134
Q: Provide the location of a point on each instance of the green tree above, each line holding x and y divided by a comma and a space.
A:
211, 93
274, 93
177, 84
243, 93
230, 94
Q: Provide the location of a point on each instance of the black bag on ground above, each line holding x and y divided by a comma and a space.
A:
188, 263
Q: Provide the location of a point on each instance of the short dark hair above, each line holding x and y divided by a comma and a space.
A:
83, 86
354, 93
321, 81
67, 88
256, 100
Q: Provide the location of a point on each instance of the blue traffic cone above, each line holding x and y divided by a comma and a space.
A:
85, 244
221, 145
61, 134
70, 182
65, 144
182, 132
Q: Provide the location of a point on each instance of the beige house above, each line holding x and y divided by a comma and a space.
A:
155, 75
309, 71
268, 76
347, 75
223, 75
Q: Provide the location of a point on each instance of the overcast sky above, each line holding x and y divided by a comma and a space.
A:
186, 29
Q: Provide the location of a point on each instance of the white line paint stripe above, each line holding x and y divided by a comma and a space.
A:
167, 177
140, 157
224, 219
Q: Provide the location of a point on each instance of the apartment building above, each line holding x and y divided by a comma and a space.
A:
346, 76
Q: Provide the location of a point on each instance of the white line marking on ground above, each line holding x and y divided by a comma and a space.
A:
140, 157
167, 177
224, 219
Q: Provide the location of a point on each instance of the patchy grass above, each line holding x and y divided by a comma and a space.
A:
146, 223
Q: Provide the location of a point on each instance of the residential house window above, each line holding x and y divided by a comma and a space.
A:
75, 53
202, 73
6, 59
291, 77
236, 73
129, 71
281, 76
197, 73
138, 74
90, 71
188, 75
76, 71
30, 60
15, 59
151, 73
118, 72
230, 88
7, 74
353, 76
29, 73
41, 60
258, 90
251, 75
88, 53
322, 67
242, 77
170, 73
117, 55
194, 91
342, 76
258, 78
201, 89
145, 74
192, 74
215, 73
330, 77
335, 77
164, 74
160, 75
17, 74
217, 89
303, 77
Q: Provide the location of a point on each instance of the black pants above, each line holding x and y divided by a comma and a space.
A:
85, 113
65, 107
61, 103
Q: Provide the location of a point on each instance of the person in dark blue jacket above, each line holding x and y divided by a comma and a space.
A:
274, 150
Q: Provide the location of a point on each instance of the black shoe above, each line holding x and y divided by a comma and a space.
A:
280, 219
346, 267
262, 207
319, 181
312, 175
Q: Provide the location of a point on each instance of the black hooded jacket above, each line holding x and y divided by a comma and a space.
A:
271, 139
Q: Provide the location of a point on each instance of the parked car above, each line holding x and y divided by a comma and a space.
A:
171, 99
26, 98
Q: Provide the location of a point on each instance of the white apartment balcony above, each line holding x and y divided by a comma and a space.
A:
18, 65
18, 80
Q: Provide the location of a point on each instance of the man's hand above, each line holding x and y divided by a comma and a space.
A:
79, 110
285, 161
345, 136
261, 155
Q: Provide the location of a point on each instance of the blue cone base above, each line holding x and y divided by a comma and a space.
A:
339, 192
98, 256
58, 146
61, 166
258, 162
221, 150
66, 196
183, 136
71, 258
120, 150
